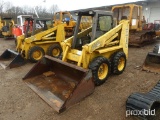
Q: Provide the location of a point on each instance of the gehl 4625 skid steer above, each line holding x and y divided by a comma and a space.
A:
88, 59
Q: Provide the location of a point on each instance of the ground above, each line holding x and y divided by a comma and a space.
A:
19, 102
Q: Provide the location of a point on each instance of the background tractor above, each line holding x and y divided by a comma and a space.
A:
133, 13
8, 24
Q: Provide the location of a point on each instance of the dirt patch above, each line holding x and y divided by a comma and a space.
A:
19, 102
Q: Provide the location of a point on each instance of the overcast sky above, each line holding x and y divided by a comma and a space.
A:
69, 4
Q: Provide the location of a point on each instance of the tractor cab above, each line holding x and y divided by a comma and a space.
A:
33, 26
19, 28
102, 23
131, 12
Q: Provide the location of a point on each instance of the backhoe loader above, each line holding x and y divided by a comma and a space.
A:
38, 42
88, 59
62, 17
132, 12
7, 27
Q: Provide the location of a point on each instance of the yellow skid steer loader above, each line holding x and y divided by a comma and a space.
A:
88, 59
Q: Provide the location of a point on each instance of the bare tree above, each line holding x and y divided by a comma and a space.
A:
27, 10
2, 4
53, 9
8, 5
7, 9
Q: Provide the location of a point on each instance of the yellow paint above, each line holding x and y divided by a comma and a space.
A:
102, 71
121, 64
102, 46
55, 52
10, 24
135, 18
37, 55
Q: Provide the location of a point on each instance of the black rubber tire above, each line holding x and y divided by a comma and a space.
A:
32, 50
94, 66
54, 46
115, 63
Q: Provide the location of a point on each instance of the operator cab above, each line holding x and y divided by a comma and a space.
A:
36, 25
102, 23
131, 12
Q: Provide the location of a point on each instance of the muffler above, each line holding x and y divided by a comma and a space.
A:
11, 59
59, 83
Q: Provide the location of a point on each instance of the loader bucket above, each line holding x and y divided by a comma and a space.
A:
152, 62
11, 59
59, 83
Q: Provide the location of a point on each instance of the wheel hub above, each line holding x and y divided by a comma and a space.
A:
56, 52
121, 64
102, 71
37, 55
